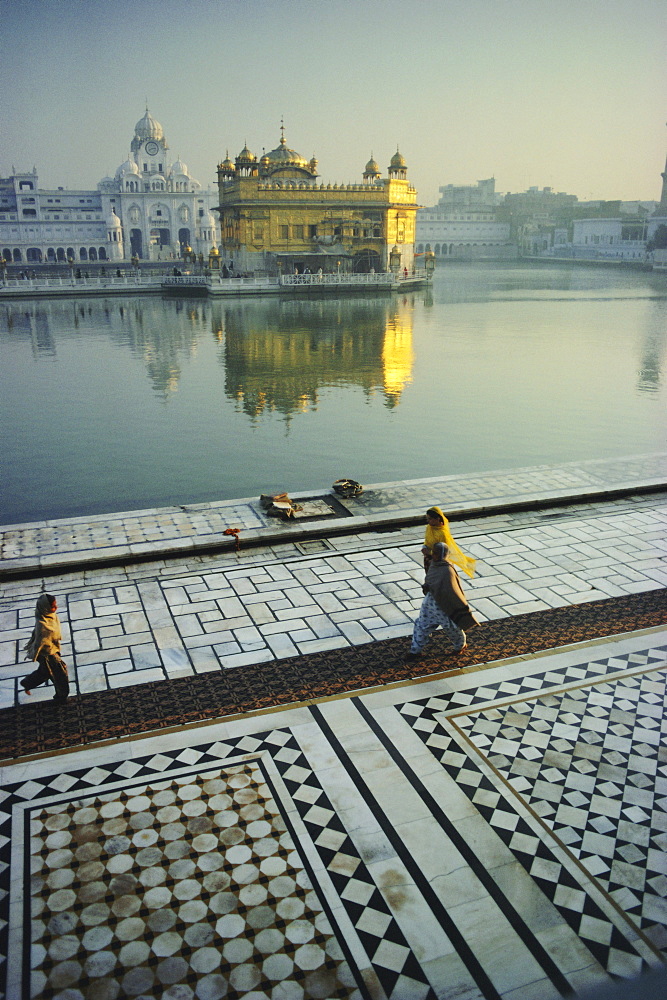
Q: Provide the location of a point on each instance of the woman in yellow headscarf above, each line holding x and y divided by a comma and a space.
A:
438, 531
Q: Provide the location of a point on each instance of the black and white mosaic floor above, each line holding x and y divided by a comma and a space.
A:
500, 832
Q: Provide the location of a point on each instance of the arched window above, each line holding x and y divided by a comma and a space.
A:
51, 255
92, 254
33, 255
60, 254
70, 253
102, 254
7, 254
17, 257
83, 254
437, 249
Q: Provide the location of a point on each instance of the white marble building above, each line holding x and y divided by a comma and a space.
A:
151, 207
463, 223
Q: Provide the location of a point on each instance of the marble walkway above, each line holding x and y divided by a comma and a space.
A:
195, 528
151, 622
495, 831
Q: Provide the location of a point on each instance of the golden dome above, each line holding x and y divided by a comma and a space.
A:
283, 156
371, 167
245, 156
397, 161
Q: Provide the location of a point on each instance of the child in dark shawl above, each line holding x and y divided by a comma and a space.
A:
44, 646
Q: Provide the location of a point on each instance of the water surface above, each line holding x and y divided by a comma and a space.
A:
109, 405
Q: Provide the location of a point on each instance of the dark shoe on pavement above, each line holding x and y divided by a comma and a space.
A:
413, 656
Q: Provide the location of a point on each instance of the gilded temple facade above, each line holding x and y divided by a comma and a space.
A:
276, 217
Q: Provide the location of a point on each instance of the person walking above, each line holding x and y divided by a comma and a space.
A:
444, 605
437, 530
44, 646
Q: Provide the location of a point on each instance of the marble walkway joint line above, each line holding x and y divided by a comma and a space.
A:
134, 625
136, 534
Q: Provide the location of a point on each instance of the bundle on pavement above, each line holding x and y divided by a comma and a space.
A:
347, 488
279, 505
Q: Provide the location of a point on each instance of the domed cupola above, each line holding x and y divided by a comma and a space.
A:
148, 135
114, 236
113, 222
398, 167
148, 128
226, 169
246, 162
372, 171
287, 162
127, 167
178, 167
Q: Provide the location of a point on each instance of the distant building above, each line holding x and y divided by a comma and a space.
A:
464, 223
38, 225
616, 238
150, 207
275, 216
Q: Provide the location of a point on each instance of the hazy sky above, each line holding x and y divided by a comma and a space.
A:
566, 93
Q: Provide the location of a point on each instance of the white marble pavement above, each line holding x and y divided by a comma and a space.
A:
150, 622
191, 529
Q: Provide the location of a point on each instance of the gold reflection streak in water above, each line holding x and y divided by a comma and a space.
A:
397, 353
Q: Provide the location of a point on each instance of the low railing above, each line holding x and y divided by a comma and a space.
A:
185, 279
210, 280
97, 281
380, 278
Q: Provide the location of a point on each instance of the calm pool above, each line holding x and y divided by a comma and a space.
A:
109, 405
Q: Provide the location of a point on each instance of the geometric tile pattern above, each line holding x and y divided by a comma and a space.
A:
206, 852
521, 686
395, 965
588, 764
190, 886
291, 861
600, 784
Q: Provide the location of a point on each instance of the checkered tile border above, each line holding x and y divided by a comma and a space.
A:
379, 935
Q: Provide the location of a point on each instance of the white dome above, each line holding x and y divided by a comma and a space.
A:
180, 168
113, 222
128, 167
148, 128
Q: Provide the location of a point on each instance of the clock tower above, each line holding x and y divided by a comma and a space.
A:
149, 147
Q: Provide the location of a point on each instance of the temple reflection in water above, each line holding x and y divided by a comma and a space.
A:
278, 357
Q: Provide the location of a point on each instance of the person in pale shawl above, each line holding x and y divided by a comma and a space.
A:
44, 646
444, 605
